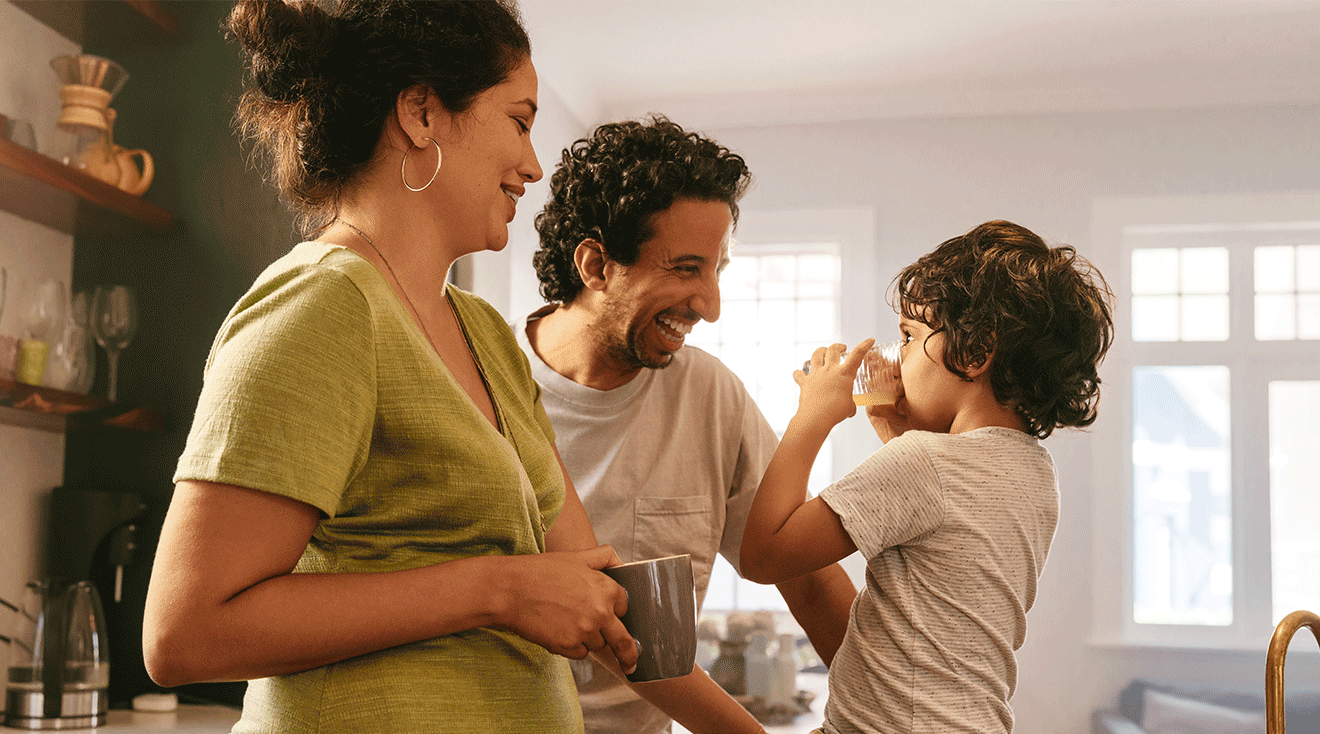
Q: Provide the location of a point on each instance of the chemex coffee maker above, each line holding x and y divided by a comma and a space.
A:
89, 83
59, 666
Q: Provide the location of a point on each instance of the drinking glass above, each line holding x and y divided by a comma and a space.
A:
114, 323
45, 303
879, 379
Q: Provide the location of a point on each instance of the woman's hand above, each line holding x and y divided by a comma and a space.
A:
826, 396
562, 602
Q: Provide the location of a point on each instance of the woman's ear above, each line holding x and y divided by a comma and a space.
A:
421, 115
591, 262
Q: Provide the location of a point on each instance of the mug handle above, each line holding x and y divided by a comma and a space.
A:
148, 171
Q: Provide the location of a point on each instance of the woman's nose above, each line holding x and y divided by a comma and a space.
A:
531, 167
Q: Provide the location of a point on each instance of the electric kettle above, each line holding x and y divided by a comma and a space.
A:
59, 667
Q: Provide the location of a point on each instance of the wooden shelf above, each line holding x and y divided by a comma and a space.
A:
41, 189
57, 410
84, 23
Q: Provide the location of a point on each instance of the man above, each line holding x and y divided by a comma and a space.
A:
662, 442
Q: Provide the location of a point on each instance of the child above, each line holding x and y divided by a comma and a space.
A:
1001, 339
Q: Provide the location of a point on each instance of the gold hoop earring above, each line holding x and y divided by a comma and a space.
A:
403, 169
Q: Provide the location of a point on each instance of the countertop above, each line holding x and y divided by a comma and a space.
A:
198, 719
190, 718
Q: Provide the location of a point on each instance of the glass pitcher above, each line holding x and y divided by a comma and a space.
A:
59, 667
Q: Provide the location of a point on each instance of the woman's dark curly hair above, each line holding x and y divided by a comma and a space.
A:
1041, 315
325, 81
608, 187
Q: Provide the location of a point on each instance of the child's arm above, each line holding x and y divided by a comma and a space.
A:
787, 535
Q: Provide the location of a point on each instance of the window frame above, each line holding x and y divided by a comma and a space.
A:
1250, 372
852, 232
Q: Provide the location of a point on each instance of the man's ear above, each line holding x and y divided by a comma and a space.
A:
589, 257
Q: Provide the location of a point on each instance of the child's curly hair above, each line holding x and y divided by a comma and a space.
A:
1040, 315
609, 186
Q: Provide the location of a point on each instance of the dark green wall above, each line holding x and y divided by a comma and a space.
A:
178, 104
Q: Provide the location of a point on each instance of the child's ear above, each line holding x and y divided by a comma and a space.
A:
980, 368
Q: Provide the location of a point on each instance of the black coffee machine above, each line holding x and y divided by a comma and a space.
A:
90, 527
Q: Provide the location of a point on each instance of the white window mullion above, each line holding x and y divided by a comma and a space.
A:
1251, 500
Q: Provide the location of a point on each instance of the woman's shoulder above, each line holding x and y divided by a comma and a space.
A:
471, 306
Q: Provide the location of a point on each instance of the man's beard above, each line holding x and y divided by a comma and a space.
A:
625, 350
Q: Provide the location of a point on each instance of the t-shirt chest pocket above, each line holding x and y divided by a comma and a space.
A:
667, 526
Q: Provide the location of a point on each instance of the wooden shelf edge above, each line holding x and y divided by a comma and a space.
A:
57, 410
35, 201
156, 14
37, 421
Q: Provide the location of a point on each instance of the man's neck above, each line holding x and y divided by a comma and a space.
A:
563, 338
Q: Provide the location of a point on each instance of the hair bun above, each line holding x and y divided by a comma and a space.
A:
286, 42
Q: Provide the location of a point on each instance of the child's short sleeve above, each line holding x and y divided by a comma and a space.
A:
892, 498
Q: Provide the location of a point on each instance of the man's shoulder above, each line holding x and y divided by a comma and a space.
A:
695, 363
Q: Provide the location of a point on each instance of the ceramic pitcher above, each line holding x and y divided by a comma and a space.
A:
132, 178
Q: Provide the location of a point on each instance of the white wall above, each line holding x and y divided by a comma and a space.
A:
31, 461
928, 180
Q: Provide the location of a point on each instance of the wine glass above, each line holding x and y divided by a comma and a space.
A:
114, 322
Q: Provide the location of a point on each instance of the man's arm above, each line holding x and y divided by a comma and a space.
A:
693, 700
821, 602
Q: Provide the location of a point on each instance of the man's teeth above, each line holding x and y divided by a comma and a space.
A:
511, 195
678, 326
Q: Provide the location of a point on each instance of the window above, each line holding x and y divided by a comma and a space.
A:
1211, 529
778, 303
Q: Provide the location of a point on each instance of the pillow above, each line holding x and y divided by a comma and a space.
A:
1165, 714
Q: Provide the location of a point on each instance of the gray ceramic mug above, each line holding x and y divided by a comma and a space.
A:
662, 615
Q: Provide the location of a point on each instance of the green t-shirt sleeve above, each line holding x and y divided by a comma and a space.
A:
288, 400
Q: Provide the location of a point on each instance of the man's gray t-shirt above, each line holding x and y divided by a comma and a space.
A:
666, 464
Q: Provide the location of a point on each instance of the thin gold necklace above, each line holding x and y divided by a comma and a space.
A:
393, 275
499, 423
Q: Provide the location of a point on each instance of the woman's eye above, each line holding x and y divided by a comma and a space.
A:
522, 125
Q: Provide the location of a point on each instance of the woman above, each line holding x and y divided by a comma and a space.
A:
360, 514
370, 520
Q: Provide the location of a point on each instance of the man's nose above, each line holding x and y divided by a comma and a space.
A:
707, 301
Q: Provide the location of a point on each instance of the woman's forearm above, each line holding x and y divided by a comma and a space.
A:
224, 604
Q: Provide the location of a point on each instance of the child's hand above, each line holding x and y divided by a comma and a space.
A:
888, 421
826, 397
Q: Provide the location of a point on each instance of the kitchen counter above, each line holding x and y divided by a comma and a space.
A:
196, 719
190, 718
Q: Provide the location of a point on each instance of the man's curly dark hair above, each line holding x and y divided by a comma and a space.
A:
1040, 314
609, 186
